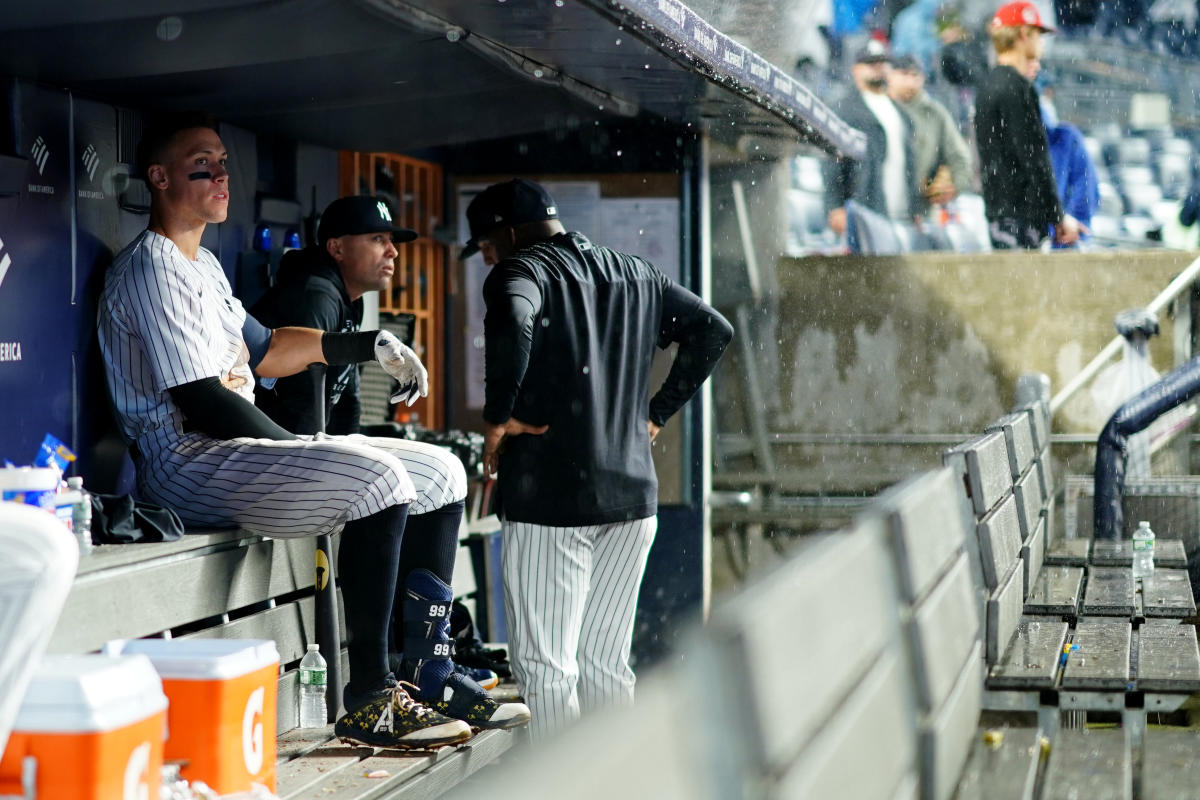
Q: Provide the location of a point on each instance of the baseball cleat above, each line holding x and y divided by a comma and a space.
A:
390, 718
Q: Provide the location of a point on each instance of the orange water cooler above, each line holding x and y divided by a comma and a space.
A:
90, 728
221, 720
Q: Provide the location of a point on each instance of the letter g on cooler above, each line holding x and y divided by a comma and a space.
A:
252, 732
137, 774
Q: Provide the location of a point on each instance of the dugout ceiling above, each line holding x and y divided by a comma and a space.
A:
389, 75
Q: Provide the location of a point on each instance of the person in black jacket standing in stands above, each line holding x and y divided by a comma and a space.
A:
885, 179
1019, 191
570, 331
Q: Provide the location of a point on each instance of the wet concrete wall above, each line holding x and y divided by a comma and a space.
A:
929, 343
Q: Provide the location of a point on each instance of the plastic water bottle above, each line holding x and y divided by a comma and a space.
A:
262, 238
312, 689
1143, 551
81, 515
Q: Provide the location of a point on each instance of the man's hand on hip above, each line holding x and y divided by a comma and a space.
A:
399, 361
495, 435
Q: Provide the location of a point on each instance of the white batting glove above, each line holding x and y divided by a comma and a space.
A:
399, 361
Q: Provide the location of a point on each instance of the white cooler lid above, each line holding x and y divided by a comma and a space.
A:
202, 659
28, 479
90, 694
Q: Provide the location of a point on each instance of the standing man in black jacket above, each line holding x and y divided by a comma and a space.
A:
1019, 191
570, 332
885, 179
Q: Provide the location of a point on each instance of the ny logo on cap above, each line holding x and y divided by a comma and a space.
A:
383, 211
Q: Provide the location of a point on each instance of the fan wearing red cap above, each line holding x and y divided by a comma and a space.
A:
1019, 191
1020, 14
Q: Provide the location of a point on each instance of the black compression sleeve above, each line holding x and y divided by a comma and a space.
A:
702, 333
348, 348
513, 302
217, 412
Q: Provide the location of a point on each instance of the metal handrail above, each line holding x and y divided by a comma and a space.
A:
1175, 288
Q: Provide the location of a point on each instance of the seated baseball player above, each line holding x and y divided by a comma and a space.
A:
322, 287
180, 357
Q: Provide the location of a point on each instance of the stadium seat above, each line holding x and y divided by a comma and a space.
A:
1143, 197
1174, 174
1106, 227
1138, 225
1111, 204
1134, 175
1134, 151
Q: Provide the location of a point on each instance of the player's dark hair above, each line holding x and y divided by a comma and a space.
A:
160, 130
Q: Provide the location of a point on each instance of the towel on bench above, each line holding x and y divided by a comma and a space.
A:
119, 519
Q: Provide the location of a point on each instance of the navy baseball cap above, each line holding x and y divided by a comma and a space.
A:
874, 52
511, 203
907, 63
360, 213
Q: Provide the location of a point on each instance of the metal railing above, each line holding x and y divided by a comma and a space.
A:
1183, 281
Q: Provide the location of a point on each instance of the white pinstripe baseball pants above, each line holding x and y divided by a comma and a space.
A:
570, 595
300, 487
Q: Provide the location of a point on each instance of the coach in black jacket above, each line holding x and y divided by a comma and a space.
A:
570, 332
884, 179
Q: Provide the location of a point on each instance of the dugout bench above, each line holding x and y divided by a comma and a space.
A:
239, 585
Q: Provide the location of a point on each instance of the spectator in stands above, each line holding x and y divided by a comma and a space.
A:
914, 33
941, 157
181, 356
1074, 173
964, 65
322, 287
1127, 20
1019, 192
849, 16
884, 179
1175, 25
1184, 234
1189, 212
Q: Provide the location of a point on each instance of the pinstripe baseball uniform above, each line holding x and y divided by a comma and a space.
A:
571, 330
164, 321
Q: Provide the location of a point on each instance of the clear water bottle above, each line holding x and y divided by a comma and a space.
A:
81, 515
1143, 551
312, 689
